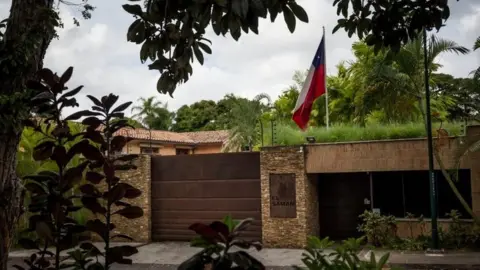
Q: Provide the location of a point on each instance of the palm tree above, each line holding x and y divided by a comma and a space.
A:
476, 73
393, 83
246, 115
146, 112
409, 67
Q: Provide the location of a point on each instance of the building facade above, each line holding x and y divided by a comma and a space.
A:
315, 189
167, 143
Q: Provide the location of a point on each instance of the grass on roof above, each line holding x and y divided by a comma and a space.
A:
287, 134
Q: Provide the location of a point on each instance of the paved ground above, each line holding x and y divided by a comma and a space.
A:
166, 256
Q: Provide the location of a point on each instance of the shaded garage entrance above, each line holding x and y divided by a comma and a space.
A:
342, 198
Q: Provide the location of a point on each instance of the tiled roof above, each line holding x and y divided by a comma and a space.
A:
198, 137
215, 136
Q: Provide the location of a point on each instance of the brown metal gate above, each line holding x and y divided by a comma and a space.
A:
204, 188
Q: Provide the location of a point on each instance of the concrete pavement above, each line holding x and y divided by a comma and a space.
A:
167, 255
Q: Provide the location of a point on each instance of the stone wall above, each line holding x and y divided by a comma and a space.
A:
407, 228
287, 232
139, 229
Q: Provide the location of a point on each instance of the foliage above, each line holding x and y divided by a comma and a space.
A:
476, 73
30, 138
379, 229
460, 234
288, 134
198, 116
413, 242
245, 121
154, 114
26, 165
464, 91
172, 33
390, 23
317, 256
105, 193
51, 202
217, 239
53, 199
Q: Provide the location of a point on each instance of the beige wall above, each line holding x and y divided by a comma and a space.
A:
208, 149
167, 150
412, 228
377, 156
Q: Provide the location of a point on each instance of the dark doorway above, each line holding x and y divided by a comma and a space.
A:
342, 198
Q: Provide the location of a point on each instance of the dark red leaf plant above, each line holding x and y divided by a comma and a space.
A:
221, 241
105, 193
52, 198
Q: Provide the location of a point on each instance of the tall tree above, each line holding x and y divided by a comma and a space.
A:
225, 111
464, 91
408, 70
153, 114
246, 116
198, 116
476, 46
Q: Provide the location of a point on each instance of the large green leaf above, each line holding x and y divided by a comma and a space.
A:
289, 18
299, 12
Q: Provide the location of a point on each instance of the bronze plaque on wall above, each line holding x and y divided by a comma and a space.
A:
283, 196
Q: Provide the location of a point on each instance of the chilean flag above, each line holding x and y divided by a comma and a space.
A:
314, 87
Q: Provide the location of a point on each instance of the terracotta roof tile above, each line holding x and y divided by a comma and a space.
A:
215, 136
198, 137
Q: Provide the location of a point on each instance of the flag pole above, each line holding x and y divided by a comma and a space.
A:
326, 89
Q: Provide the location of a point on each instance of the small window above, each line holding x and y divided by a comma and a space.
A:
180, 151
148, 150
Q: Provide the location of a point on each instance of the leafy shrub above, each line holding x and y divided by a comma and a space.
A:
289, 134
414, 242
460, 234
217, 239
380, 230
53, 199
26, 165
344, 257
105, 193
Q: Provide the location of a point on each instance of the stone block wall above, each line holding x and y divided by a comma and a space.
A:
139, 229
287, 232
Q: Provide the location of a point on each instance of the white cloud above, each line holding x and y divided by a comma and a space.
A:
105, 62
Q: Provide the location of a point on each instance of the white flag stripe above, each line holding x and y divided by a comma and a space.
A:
306, 86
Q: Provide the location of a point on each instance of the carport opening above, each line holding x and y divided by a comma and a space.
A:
400, 193
343, 197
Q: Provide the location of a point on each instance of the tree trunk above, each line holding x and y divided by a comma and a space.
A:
10, 199
30, 29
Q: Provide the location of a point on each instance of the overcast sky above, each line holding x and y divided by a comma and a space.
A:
105, 62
